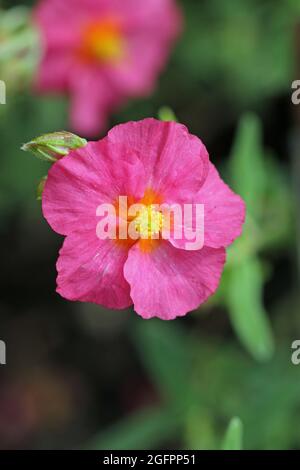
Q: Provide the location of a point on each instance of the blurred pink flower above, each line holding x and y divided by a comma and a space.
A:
102, 52
147, 161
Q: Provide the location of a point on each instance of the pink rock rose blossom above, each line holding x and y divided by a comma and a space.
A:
147, 161
102, 52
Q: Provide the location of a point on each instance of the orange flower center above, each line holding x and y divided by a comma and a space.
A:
102, 42
148, 222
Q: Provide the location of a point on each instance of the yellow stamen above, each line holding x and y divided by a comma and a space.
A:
149, 222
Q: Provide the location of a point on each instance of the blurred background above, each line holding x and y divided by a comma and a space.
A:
80, 376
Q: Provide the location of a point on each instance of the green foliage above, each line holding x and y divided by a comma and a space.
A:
224, 382
165, 351
247, 165
256, 178
244, 300
19, 47
234, 435
245, 43
19, 174
142, 430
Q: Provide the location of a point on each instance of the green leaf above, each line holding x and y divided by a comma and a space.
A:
248, 317
145, 429
278, 218
247, 167
234, 435
165, 351
199, 428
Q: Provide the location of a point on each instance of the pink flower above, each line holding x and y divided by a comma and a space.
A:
101, 52
149, 161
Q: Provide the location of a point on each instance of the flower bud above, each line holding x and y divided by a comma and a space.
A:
165, 113
52, 147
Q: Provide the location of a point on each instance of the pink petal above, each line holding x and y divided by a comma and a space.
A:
169, 282
92, 100
53, 14
137, 73
175, 162
56, 32
91, 270
224, 211
187, 232
53, 74
78, 183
